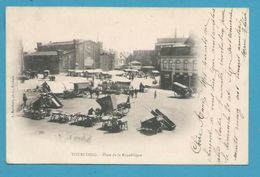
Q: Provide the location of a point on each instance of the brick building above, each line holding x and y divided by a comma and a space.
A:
75, 54
177, 61
43, 60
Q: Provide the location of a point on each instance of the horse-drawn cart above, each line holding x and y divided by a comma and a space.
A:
181, 90
60, 117
113, 115
37, 106
157, 123
36, 114
84, 120
81, 89
116, 86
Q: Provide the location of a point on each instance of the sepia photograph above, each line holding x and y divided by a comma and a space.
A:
92, 85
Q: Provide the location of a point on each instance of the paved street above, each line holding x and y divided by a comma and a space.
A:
178, 110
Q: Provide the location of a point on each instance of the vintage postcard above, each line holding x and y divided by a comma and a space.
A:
89, 85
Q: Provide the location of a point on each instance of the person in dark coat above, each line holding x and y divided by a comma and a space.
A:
24, 100
155, 94
128, 99
141, 87
128, 102
131, 91
97, 92
91, 93
136, 91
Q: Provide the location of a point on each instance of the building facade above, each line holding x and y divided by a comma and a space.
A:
177, 61
145, 57
42, 60
76, 54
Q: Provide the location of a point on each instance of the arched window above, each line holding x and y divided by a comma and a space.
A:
195, 65
173, 65
178, 65
165, 63
186, 62
170, 65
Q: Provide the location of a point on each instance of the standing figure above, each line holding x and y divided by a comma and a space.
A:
97, 92
90, 92
128, 104
141, 87
128, 99
155, 94
24, 100
136, 91
132, 91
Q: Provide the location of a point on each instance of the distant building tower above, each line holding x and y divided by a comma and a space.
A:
107, 60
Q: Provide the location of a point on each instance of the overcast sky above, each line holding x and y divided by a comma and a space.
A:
121, 29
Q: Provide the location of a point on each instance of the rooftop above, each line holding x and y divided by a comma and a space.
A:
135, 62
66, 42
60, 43
43, 53
171, 40
172, 44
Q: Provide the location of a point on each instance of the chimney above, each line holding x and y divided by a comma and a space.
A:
39, 44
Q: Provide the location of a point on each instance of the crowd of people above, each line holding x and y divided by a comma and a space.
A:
138, 74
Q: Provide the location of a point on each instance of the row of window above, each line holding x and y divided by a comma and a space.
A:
178, 65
